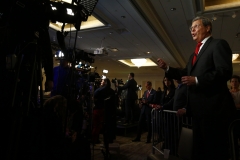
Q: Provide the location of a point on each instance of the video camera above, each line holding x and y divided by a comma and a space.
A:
118, 81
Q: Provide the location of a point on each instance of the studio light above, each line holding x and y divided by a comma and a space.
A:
139, 87
68, 13
138, 62
104, 77
59, 54
105, 71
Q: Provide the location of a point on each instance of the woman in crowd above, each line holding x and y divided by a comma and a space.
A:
168, 91
235, 91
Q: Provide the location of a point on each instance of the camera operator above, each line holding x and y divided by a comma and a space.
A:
131, 97
105, 91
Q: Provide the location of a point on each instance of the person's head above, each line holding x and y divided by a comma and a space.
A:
168, 83
159, 89
234, 81
148, 85
201, 28
131, 75
106, 82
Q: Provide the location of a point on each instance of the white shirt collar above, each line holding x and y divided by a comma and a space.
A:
204, 41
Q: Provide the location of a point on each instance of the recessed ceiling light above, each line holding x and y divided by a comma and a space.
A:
148, 52
173, 9
110, 32
129, 63
79, 37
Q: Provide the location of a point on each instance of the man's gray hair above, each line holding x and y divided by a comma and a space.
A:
205, 21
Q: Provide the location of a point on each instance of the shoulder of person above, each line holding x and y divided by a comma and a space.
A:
153, 91
216, 41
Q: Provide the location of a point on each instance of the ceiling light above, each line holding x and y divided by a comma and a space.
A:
173, 9
235, 56
105, 71
234, 15
138, 62
70, 12
129, 63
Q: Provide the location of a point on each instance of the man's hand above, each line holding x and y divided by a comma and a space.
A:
158, 107
189, 80
181, 112
162, 64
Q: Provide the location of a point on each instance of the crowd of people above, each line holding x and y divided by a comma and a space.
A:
201, 93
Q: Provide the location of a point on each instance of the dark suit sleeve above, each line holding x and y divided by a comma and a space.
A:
125, 86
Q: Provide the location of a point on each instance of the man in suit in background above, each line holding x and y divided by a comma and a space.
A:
209, 100
145, 114
131, 97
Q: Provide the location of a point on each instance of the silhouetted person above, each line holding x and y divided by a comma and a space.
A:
131, 97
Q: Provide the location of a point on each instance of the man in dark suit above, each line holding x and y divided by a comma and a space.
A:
209, 100
131, 97
145, 114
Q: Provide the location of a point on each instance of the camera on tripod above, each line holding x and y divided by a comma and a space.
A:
118, 81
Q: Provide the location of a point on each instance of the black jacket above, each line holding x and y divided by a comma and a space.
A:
131, 87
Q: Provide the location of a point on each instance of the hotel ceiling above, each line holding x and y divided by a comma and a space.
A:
136, 27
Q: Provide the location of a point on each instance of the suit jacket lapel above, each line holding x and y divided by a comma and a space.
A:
202, 51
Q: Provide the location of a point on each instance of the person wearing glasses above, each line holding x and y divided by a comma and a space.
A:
209, 101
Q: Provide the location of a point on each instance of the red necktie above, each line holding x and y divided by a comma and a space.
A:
196, 53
